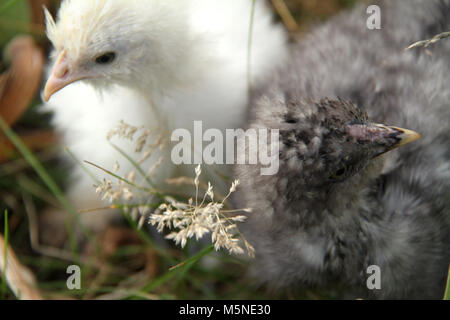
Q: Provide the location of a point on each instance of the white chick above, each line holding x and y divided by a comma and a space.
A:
162, 64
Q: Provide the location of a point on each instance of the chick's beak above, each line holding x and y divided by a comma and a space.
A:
404, 136
382, 138
395, 137
61, 76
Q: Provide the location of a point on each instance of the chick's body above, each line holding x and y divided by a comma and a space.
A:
310, 227
172, 62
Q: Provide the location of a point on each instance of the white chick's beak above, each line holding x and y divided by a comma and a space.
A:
61, 76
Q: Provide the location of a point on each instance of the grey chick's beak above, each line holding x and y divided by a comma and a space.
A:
404, 136
381, 137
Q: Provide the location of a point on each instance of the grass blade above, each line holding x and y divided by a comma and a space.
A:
184, 267
5, 258
83, 167
51, 185
134, 163
447, 290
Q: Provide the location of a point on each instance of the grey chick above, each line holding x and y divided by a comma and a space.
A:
345, 196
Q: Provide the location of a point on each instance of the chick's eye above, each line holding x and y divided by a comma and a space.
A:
106, 58
340, 173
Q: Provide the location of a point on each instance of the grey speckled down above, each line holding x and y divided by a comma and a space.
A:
316, 224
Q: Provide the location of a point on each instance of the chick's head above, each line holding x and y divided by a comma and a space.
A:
326, 143
127, 42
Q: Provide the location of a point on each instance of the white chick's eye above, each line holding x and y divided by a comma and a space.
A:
105, 58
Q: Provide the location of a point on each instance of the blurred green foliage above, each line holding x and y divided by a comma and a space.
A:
14, 18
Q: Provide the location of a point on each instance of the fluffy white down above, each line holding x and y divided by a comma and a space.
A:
217, 95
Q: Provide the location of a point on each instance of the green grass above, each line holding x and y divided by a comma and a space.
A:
48, 181
447, 290
14, 14
181, 269
5, 257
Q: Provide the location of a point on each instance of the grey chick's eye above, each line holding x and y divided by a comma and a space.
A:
340, 173
106, 58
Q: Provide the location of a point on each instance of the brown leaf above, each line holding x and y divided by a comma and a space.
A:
19, 85
36, 140
19, 278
